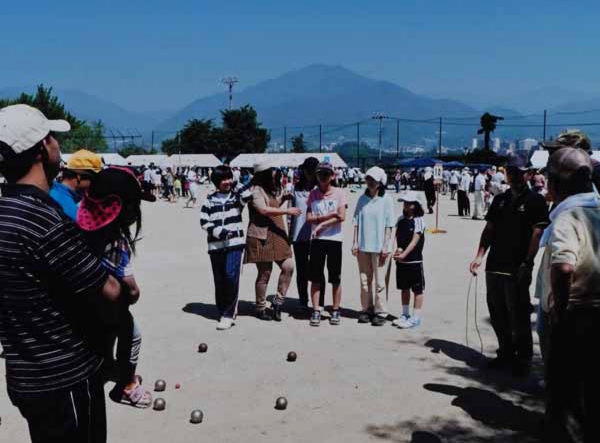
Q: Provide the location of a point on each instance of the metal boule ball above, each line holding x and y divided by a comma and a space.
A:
292, 356
202, 347
159, 404
196, 416
281, 403
160, 385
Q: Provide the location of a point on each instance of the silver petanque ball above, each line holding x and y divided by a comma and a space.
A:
196, 416
159, 404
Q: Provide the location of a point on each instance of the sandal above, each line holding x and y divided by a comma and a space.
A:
138, 397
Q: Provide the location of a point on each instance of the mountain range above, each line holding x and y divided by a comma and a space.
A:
333, 95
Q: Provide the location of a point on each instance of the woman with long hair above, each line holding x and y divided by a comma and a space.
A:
267, 239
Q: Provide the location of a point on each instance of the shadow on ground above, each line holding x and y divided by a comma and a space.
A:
515, 417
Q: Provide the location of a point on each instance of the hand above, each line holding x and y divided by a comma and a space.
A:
294, 211
524, 275
318, 229
475, 265
383, 256
355, 249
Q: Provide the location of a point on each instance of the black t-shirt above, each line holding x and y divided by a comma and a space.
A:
405, 230
513, 220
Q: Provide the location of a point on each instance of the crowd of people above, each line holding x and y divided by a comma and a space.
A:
67, 242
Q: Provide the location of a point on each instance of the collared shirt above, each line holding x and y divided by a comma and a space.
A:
66, 198
373, 216
480, 182
48, 273
513, 219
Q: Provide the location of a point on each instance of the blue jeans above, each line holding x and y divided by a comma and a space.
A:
226, 267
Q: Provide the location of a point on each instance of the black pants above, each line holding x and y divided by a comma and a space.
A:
572, 372
73, 415
464, 205
302, 256
510, 313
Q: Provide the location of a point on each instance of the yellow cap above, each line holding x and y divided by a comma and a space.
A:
84, 160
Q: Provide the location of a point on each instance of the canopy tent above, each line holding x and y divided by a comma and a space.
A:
287, 160
158, 159
420, 162
110, 159
196, 160
453, 164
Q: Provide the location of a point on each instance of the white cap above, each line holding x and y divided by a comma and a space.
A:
22, 127
414, 197
264, 164
377, 174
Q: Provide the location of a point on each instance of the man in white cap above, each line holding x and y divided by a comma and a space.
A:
50, 279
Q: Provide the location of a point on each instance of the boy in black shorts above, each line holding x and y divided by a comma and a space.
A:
410, 238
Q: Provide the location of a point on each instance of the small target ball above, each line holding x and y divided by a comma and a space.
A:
177, 386
160, 385
281, 403
196, 417
291, 356
159, 404
202, 347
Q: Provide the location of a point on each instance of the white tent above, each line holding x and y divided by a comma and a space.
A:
539, 159
199, 160
158, 159
287, 160
108, 158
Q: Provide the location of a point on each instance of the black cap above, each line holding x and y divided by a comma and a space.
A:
309, 164
519, 160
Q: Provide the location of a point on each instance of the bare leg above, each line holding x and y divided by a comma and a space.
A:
337, 297
314, 294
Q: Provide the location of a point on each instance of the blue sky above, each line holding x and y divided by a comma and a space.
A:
155, 54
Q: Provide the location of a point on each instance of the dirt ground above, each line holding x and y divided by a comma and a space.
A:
351, 383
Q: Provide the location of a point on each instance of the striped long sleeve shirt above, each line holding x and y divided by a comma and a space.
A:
221, 218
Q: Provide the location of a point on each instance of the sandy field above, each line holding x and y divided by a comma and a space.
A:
351, 383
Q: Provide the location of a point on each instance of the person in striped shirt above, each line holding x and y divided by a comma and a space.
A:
221, 218
50, 279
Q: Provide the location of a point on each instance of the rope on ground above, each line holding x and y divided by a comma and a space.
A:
473, 277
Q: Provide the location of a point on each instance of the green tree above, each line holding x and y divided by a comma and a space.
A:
241, 133
196, 137
81, 134
298, 144
128, 150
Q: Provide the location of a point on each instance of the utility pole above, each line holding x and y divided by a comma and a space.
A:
230, 82
379, 117
440, 138
357, 143
285, 139
545, 120
397, 138
320, 138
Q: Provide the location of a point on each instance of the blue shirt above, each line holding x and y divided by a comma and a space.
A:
373, 216
66, 198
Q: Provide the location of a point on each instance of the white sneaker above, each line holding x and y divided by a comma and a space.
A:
403, 322
225, 323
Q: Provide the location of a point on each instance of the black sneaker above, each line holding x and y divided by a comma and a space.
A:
315, 318
336, 318
277, 312
364, 317
378, 320
263, 315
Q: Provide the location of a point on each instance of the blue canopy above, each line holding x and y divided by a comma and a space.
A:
420, 163
454, 164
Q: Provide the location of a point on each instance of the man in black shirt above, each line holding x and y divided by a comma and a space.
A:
47, 271
515, 223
